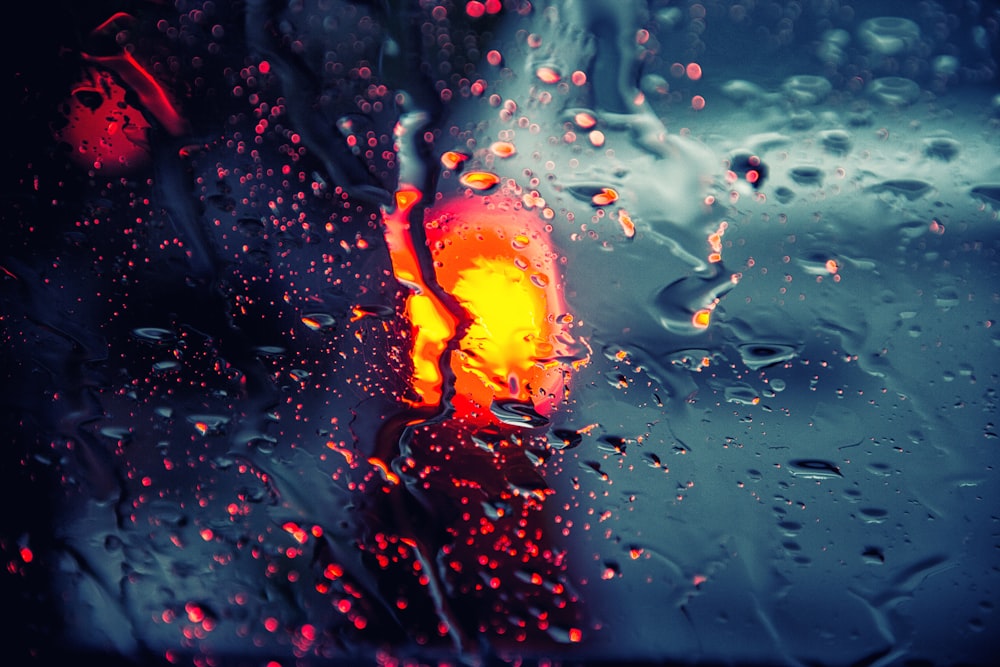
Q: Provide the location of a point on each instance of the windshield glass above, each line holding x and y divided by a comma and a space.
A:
502, 332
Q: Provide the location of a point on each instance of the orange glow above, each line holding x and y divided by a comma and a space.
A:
433, 324
547, 75
625, 220
832, 266
605, 197
479, 180
584, 120
715, 242
701, 318
453, 159
296, 531
501, 270
387, 474
503, 149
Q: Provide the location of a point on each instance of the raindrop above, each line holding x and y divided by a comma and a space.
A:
742, 394
208, 424
814, 469
154, 336
784, 194
989, 193
836, 142
806, 175
517, 413
873, 515
894, 91
806, 88
908, 188
561, 438
319, 321
889, 35
613, 444
749, 167
763, 355
873, 555
168, 366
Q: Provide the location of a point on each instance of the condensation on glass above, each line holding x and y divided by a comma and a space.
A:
460, 332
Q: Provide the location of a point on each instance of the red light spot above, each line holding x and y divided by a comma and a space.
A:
103, 130
697, 102
494, 58
295, 531
264, 67
26, 555
493, 6
699, 579
693, 71
753, 176
195, 613
271, 624
575, 635
475, 9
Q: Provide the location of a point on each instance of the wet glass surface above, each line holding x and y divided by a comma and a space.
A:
453, 332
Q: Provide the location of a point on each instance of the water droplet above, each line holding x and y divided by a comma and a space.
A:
894, 91
763, 355
319, 321
908, 188
836, 142
742, 394
154, 336
814, 469
874, 514
873, 555
208, 424
480, 181
989, 193
517, 413
806, 89
806, 175
941, 148
889, 35
561, 438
